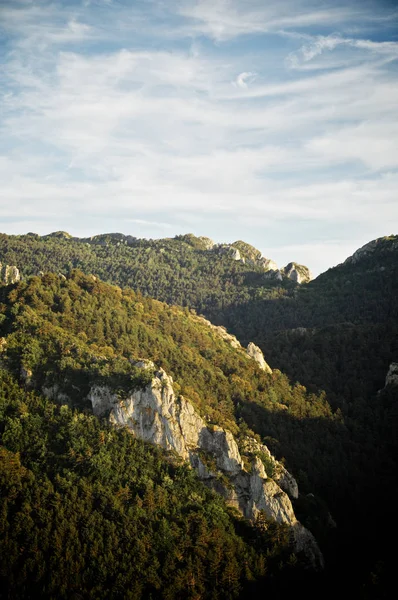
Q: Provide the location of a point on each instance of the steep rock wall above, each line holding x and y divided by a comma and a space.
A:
155, 414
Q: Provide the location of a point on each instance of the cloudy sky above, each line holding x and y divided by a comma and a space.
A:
271, 121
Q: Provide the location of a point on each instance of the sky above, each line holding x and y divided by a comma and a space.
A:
274, 122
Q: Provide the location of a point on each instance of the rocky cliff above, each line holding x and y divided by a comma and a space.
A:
392, 375
256, 354
387, 244
157, 415
297, 273
9, 274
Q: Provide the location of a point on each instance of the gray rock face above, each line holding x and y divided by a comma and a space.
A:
155, 414
255, 353
232, 252
392, 375
54, 392
297, 273
273, 274
267, 264
207, 242
280, 474
9, 274
371, 247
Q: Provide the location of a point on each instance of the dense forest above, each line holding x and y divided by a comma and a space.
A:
181, 270
88, 511
337, 333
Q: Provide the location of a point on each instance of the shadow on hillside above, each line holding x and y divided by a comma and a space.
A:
356, 481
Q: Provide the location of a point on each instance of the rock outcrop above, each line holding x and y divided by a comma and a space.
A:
230, 251
255, 353
155, 414
9, 274
273, 274
392, 375
207, 242
250, 255
297, 273
267, 264
390, 243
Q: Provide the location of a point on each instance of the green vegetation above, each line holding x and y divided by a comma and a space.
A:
88, 511
177, 271
338, 334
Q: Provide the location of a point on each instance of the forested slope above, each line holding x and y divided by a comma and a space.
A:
183, 270
337, 333
88, 511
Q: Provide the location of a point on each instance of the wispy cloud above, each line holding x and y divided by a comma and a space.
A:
320, 44
205, 113
225, 19
244, 79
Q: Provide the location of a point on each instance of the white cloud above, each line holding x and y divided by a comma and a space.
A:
156, 135
318, 45
225, 19
244, 79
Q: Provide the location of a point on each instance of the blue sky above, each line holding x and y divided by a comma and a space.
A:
273, 122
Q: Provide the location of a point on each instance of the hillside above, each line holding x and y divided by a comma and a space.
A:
337, 333
185, 270
88, 511
65, 337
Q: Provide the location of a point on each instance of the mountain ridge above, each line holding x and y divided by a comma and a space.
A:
337, 332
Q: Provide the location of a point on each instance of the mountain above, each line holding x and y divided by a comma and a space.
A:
73, 346
185, 270
89, 511
337, 335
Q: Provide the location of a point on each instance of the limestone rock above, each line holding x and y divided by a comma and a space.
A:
53, 392
234, 254
9, 274
253, 256
155, 414
268, 497
297, 273
267, 264
368, 248
255, 353
144, 364
280, 474
59, 234
207, 242
102, 399
273, 274
26, 375
247, 251
373, 246
392, 375
230, 251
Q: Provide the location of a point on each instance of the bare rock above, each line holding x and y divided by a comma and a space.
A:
9, 274
297, 273
155, 414
392, 375
255, 353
